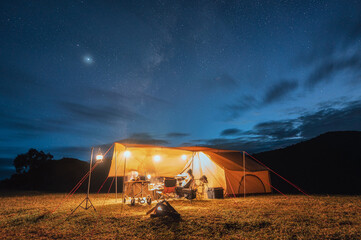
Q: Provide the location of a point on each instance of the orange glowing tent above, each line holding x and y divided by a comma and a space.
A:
231, 170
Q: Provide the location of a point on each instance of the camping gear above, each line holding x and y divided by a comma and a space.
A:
170, 182
215, 193
137, 190
189, 193
163, 209
234, 171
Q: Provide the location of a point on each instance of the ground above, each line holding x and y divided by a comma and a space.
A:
26, 216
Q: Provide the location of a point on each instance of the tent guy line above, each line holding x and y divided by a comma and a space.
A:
292, 184
196, 152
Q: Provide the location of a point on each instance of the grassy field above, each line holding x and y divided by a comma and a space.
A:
26, 216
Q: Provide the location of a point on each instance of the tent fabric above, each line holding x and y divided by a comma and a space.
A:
223, 168
255, 182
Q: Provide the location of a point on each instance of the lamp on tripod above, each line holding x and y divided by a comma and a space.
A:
88, 203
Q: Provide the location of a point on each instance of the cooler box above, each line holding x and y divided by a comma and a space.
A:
215, 193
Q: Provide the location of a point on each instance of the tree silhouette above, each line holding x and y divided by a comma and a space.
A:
31, 160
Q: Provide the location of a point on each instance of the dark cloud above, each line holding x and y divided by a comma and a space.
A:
28, 125
280, 90
231, 132
331, 119
326, 119
275, 93
177, 135
346, 30
101, 114
330, 50
276, 129
329, 68
243, 104
249, 144
144, 138
15, 81
336, 36
276, 134
31, 127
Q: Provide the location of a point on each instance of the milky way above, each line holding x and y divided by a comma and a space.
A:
247, 75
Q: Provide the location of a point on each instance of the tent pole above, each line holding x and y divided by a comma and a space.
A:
192, 161
244, 175
90, 174
123, 187
116, 179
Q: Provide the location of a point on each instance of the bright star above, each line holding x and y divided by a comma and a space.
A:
88, 59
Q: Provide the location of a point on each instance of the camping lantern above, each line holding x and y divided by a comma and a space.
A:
99, 158
126, 154
156, 158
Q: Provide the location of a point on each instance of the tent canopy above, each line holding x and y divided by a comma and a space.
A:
223, 168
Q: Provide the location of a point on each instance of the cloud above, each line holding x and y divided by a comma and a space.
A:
275, 93
177, 135
328, 69
100, 114
339, 35
276, 129
15, 81
246, 143
345, 118
280, 90
144, 138
331, 119
333, 49
243, 104
276, 134
231, 132
27, 127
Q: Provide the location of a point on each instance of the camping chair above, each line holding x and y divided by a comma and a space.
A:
169, 188
190, 191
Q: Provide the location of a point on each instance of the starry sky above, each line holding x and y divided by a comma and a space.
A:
247, 75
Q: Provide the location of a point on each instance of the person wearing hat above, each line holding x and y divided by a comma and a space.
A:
186, 183
188, 180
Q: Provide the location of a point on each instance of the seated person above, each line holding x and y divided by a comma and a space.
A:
203, 180
186, 183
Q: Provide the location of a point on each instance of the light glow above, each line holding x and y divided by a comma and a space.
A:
127, 154
159, 208
156, 158
149, 176
99, 157
184, 157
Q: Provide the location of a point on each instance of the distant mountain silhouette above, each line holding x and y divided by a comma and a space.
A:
61, 176
327, 164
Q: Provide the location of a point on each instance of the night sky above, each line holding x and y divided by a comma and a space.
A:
246, 75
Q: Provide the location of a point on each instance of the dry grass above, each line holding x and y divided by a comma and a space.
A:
260, 217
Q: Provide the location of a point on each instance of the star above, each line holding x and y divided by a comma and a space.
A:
88, 59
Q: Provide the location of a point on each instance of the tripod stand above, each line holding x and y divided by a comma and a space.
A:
88, 203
